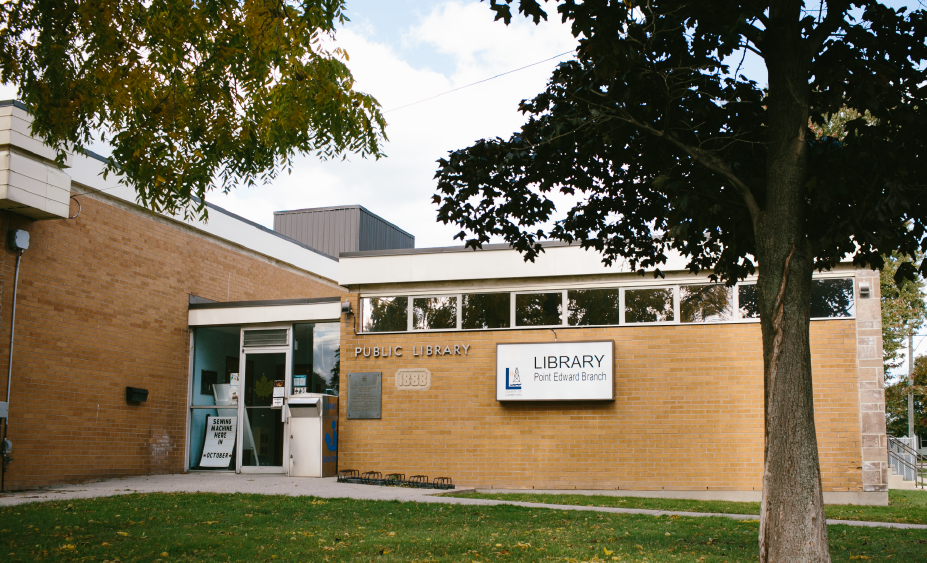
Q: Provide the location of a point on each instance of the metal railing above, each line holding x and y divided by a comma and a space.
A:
905, 460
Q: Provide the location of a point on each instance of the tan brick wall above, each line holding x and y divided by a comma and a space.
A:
102, 305
688, 413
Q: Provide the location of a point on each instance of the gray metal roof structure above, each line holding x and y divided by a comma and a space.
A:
346, 228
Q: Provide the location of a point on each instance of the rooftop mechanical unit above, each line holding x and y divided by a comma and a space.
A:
348, 228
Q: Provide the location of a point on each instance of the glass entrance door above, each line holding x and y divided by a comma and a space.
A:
262, 429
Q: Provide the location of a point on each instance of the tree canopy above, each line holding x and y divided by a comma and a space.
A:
896, 402
903, 311
189, 95
666, 147
660, 139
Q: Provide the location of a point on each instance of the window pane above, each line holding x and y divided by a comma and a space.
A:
832, 298
198, 419
385, 314
705, 303
302, 359
749, 302
215, 357
316, 358
434, 312
486, 310
538, 309
594, 306
326, 357
648, 305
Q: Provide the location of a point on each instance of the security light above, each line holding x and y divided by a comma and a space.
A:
19, 239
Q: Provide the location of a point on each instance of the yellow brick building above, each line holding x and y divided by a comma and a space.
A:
687, 413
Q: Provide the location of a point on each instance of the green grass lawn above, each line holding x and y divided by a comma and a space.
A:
909, 507
253, 528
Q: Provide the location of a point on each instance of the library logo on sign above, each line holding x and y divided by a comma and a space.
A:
512, 380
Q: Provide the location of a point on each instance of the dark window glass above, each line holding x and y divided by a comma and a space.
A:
648, 305
705, 303
538, 309
832, 298
434, 312
749, 302
594, 306
385, 314
262, 434
486, 310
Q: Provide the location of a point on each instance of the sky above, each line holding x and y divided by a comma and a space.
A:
402, 52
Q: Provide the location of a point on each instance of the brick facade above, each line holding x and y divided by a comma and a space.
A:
103, 305
688, 413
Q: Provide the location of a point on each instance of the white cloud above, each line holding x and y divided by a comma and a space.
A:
399, 188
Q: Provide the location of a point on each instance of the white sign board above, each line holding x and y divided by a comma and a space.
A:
220, 441
555, 371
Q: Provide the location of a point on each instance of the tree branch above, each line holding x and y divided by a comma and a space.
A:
833, 21
708, 160
754, 35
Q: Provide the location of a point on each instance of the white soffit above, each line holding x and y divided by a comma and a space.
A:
30, 183
482, 264
87, 171
265, 314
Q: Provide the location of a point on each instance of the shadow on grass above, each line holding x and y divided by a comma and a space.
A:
218, 527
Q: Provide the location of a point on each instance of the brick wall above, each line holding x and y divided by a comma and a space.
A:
102, 305
688, 413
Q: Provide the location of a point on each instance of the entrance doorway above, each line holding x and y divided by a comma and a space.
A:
262, 428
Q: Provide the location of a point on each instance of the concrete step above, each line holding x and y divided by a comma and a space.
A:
898, 482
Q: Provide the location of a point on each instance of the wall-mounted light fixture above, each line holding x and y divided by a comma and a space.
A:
346, 308
18, 240
864, 290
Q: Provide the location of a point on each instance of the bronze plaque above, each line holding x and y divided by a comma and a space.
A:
365, 392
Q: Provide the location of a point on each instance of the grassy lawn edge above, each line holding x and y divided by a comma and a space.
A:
904, 507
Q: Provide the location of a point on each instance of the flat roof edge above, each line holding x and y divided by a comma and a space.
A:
265, 229
14, 103
265, 303
444, 249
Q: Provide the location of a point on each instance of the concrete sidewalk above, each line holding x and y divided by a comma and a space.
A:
329, 488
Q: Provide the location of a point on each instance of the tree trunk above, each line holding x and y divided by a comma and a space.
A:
792, 525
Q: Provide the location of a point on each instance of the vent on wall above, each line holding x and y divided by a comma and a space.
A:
274, 337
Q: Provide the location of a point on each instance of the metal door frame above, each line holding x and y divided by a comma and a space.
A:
287, 377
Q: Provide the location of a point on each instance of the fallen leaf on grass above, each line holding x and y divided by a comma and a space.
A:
606, 551
123, 533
